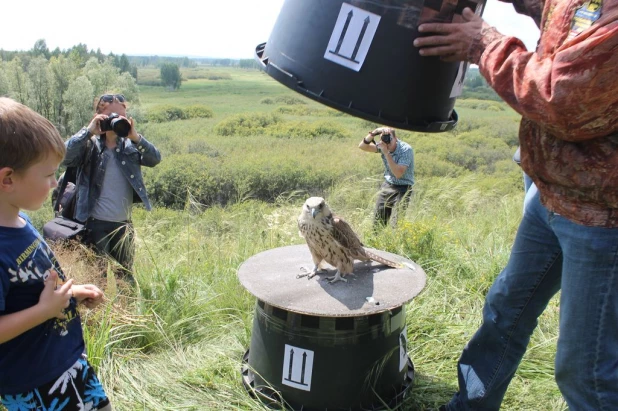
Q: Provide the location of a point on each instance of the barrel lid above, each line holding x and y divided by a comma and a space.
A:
271, 276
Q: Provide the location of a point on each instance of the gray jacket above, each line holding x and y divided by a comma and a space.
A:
84, 152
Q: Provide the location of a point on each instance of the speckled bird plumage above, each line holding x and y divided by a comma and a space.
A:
331, 239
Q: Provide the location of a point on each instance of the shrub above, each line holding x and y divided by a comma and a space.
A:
201, 147
164, 113
330, 129
198, 111
303, 110
297, 110
303, 129
421, 241
171, 182
427, 165
290, 100
287, 100
475, 104
246, 124
219, 76
217, 180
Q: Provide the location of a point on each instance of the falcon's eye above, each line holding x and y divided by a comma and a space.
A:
307, 205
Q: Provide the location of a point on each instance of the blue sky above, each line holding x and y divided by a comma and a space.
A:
210, 28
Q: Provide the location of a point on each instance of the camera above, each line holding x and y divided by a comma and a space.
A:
117, 124
386, 138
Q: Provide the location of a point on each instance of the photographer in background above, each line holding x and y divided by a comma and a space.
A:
398, 158
108, 154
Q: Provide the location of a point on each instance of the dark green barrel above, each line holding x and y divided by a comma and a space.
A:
357, 56
319, 363
317, 346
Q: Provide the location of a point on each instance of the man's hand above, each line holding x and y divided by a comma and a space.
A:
88, 294
451, 41
54, 300
133, 135
95, 124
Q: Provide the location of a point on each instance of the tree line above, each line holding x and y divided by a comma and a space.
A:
61, 88
61, 85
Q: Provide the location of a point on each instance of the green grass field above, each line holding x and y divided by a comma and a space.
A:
176, 340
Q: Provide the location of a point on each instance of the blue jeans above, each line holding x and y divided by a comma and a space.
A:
550, 253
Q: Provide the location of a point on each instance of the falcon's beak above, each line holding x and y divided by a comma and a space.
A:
314, 212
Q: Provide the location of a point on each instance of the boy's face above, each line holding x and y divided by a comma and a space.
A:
32, 185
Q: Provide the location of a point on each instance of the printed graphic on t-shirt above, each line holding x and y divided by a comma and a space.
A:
34, 264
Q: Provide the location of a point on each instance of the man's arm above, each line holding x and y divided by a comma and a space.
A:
398, 170
572, 92
150, 155
76, 146
367, 144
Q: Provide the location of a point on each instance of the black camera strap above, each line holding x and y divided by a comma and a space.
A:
69, 176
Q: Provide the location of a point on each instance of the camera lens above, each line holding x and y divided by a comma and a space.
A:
386, 138
121, 127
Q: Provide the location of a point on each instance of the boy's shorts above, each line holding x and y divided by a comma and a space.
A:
78, 388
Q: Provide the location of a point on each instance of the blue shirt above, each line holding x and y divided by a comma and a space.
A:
46, 351
403, 155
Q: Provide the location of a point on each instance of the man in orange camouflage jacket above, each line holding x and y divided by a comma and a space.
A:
567, 94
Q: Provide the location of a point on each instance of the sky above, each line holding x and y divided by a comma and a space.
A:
193, 28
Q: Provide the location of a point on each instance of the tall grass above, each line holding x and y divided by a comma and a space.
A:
176, 340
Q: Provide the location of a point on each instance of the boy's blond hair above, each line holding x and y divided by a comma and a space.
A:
26, 137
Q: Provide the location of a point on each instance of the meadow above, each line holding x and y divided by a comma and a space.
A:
233, 178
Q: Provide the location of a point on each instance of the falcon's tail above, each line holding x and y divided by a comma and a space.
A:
390, 263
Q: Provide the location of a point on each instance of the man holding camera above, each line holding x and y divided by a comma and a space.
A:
398, 158
108, 154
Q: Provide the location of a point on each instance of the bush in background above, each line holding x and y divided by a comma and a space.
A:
304, 129
246, 124
165, 113
289, 100
198, 111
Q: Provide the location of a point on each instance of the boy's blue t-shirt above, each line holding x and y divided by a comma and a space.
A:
46, 351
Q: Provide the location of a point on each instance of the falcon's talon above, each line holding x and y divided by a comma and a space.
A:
337, 277
334, 279
309, 274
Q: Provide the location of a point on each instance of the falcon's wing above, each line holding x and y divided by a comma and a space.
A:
343, 233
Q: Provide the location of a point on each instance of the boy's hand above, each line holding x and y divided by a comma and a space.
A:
88, 294
54, 300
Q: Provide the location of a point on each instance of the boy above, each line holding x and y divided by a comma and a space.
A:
42, 361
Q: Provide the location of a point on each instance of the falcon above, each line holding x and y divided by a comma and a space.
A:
332, 240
